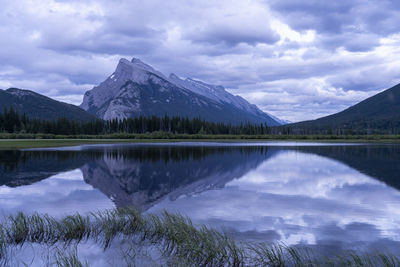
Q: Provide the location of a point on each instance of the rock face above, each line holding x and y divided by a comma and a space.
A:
136, 89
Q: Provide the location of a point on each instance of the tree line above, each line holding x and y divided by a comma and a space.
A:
13, 122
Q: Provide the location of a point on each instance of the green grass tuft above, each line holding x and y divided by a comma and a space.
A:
179, 242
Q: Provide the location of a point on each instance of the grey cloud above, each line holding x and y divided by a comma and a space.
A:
367, 79
354, 25
231, 36
63, 48
105, 44
339, 16
324, 16
353, 42
120, 25
112, 37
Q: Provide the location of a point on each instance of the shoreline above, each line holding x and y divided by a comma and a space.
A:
48, 143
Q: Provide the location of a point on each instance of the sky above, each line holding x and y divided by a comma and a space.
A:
294, 59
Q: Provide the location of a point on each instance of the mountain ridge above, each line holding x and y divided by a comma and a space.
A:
378, 112
37, 106
217, 93
137, 89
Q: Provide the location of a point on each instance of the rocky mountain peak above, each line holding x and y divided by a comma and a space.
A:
136, 67
136, 88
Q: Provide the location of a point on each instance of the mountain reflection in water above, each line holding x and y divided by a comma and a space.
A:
325, 195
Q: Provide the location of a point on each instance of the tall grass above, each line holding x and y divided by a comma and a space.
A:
68, 259
179, 241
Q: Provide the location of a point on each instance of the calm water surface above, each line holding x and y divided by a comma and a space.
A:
329, 196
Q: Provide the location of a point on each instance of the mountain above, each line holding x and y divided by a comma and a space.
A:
38, 106
220, 95
380, 112
143, 177
136, 89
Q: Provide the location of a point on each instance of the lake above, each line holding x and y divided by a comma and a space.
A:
331, 197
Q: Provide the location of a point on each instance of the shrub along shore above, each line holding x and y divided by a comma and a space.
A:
179, 242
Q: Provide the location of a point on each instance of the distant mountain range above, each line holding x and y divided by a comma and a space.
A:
137, 89
380, 112
38, 106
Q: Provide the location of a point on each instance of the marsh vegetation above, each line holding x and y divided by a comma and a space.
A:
176, 239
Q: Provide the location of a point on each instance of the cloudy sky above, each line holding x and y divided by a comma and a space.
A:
294, 59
